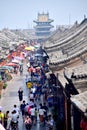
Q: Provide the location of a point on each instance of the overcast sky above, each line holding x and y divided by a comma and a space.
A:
15, 14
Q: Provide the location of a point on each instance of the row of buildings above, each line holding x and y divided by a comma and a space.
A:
67, 53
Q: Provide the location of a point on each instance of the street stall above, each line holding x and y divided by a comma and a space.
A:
5, 74
19, 58
15, 61
9, 68
30, 48
14, 65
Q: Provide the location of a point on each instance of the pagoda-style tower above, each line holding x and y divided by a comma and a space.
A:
43, 26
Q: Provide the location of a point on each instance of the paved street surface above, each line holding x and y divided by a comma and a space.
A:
10, 97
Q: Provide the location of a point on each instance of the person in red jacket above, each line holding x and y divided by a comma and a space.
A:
83, 123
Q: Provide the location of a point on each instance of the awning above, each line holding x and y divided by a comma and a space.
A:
38, 55
30, 48
18, 58
15, 61
12, 64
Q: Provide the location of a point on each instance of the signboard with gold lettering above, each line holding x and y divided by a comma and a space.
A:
43, 18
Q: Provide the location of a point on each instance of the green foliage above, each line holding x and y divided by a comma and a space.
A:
9, 77
5, 85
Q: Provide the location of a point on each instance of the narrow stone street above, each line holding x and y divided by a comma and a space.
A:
10, 97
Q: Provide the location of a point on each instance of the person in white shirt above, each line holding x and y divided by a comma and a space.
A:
14, 118
41, 113
51, 121
16, 109
32, 110
31, 96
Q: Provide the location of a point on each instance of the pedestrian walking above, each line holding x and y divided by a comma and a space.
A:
28, 122
36, 112
1, 117
22, 107
20, 95
47, 124
7, 120
51, 121
14, 120
21, 69
45, 107
31, 96
41, 114
32, 110
16, 108
6, 115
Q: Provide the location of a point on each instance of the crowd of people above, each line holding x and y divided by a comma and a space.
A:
9, 119
37, 109
41, 99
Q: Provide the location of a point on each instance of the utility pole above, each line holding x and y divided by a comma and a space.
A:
69, 19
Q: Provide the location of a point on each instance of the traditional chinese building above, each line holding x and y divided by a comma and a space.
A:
43, 27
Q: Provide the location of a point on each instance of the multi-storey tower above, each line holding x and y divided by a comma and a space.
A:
43, 27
